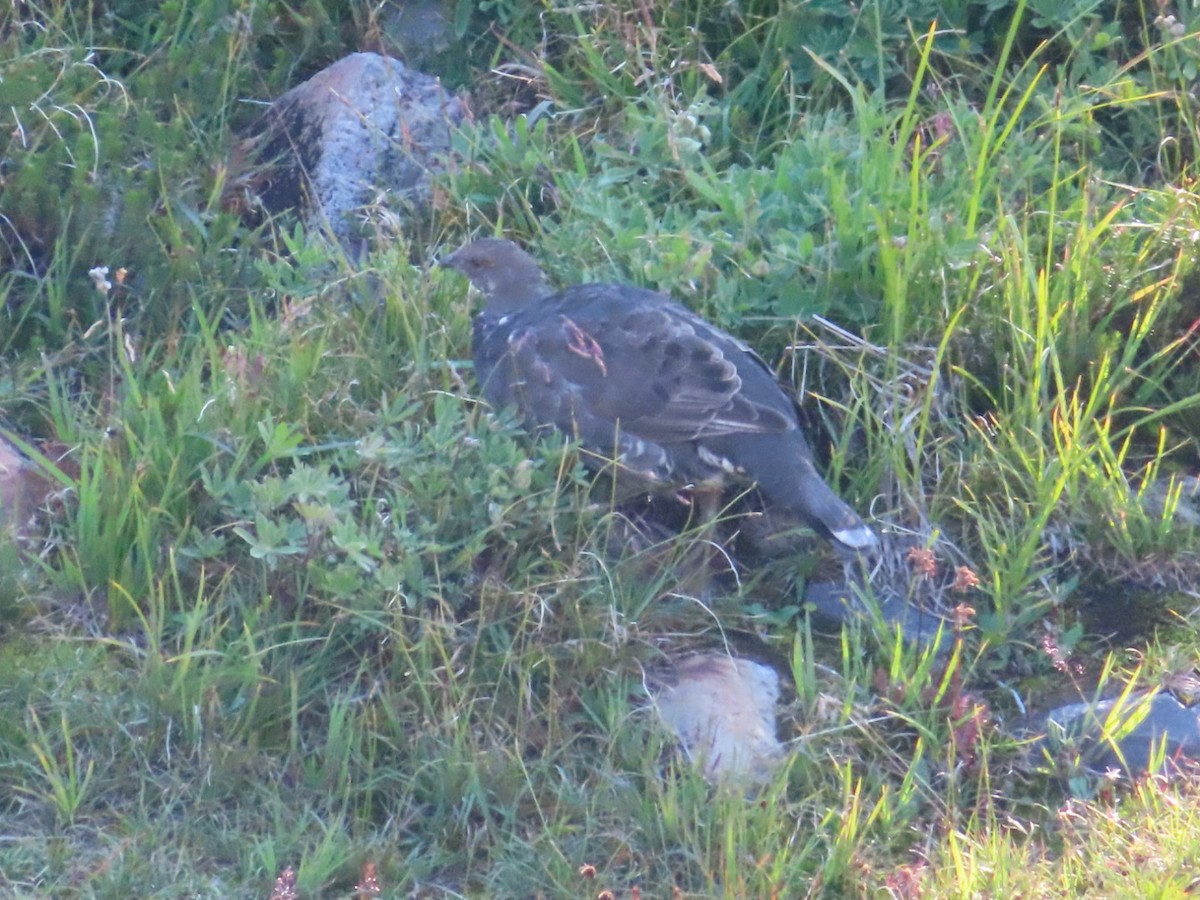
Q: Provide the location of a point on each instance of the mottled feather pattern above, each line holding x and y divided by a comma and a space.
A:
581, 343
651, 370
512, 355
643, 383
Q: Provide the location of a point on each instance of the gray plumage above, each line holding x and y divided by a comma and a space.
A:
643, 383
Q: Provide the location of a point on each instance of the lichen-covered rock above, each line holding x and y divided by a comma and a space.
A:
11, 473
355, 144
22, 490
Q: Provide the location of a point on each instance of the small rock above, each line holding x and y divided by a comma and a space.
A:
355, 144
1183, 493
11, 472
22, 490
723, 711
1084, 725
838, 604
418, 31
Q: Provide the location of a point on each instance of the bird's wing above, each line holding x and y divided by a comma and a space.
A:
635, 361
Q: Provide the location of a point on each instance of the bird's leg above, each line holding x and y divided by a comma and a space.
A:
707, 503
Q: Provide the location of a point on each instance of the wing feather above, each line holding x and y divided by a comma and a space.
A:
605, 360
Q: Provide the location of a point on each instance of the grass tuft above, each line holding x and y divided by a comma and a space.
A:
300, 602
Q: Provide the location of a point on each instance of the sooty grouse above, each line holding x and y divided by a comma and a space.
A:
643, 383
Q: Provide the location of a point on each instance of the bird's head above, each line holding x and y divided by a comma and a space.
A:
508, 277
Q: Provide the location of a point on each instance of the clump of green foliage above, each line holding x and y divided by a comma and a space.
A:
295, 553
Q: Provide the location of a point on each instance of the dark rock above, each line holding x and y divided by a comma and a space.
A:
836, 603
418, 31
355, 145
1143, 720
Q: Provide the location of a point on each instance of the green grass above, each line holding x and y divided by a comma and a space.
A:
302, 600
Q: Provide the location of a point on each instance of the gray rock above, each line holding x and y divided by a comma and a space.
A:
355, 145
1180, 493
837, 603
418, 31
22, 491
12, 477
1124, 733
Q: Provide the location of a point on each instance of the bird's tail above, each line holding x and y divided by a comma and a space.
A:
783, 467
814, 501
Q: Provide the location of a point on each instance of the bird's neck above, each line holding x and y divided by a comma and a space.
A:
514, 294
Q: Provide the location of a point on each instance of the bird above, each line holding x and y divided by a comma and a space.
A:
645, 386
